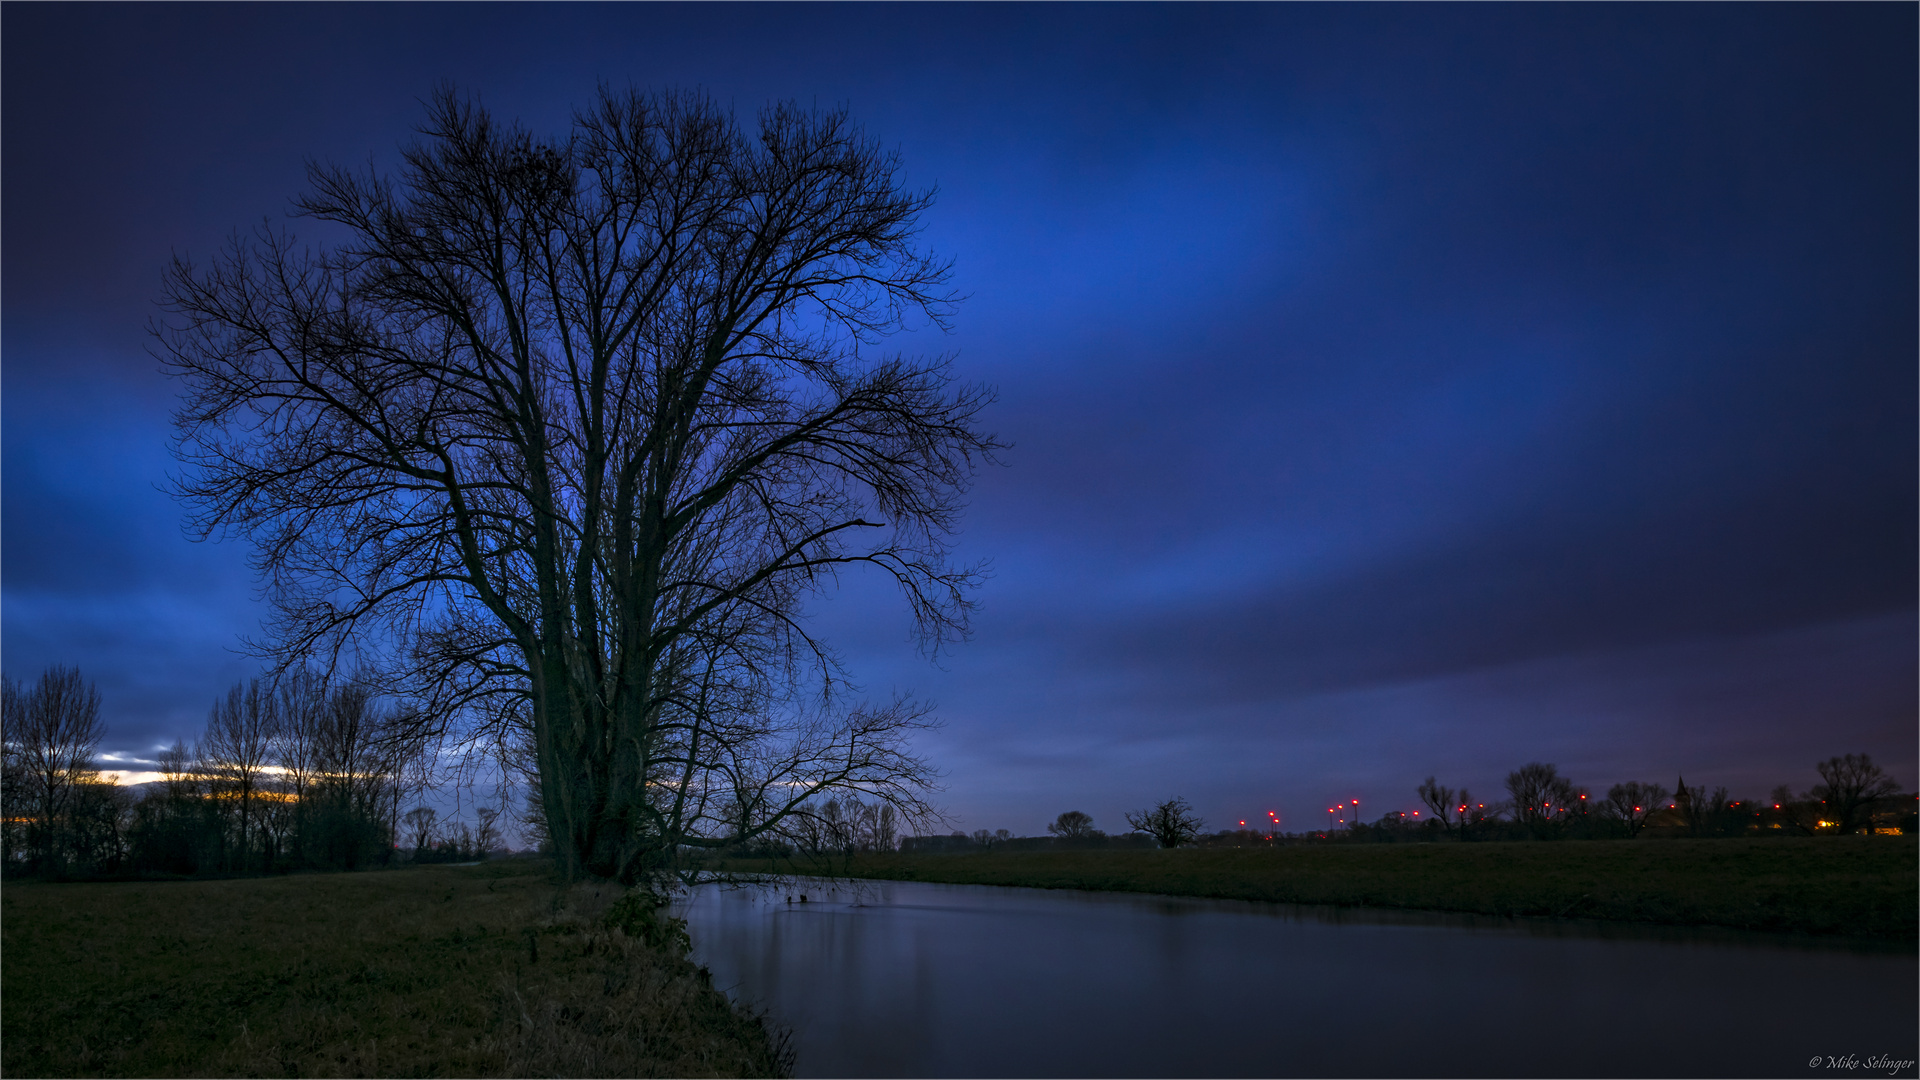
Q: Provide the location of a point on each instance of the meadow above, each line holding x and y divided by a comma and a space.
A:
1867, 887
488, 970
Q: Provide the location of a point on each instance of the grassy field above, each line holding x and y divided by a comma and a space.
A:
1854, 886
438, 971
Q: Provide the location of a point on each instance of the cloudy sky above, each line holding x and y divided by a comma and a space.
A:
1394, 391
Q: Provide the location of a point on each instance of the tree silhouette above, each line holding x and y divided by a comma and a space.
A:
51, 732
566, 429
1074, 825
1172, 823
1541, 798
1631, 802
1849, 786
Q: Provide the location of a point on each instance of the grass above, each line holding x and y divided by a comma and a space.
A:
1852, 886
435, 971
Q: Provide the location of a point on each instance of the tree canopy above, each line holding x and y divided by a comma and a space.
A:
561, 432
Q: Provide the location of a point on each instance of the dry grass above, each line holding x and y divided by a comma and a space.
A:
437, 971
1853, 886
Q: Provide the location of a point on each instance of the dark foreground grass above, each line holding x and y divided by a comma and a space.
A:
1852, 886
438, 971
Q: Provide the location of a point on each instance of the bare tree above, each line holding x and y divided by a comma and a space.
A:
581, 421
419, 823
1172, 823
486, 833
1449, 807
1631, 802
1073, 825
53, 731
1541, 798
239, 743
1849, 786
354, 749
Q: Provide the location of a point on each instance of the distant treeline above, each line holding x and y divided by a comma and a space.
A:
298, 776
1853, 795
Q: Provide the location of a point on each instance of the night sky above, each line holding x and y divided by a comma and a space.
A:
1394, 391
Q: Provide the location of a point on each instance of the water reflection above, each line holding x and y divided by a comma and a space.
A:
909, 979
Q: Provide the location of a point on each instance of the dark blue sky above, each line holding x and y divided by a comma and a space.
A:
1395, 390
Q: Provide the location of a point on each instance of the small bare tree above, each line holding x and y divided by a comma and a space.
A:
1172, 823
419, 824
1631, 802
486, 833
1449, 807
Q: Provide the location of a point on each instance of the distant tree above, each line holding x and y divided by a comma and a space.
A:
419, 825
1631, 802
1073, 825
1450, 808
357, 750
1172, 823
97, 823
1541, 798
486, 833
239, 744
1850, 786
54, 729
176, 828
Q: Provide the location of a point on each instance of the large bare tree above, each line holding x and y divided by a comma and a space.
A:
572, 427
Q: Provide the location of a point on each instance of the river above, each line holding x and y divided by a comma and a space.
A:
908, 979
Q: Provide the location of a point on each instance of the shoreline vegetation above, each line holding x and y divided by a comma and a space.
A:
1855, 887
488, 970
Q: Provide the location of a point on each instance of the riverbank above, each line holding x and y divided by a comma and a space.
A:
488, 970
1847, 886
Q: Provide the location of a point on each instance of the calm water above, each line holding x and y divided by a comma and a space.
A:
909, 979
